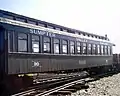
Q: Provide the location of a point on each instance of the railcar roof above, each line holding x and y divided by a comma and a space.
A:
14, 15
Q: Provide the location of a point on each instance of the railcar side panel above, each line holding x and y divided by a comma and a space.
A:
43, 63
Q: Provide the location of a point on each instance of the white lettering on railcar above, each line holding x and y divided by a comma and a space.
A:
36, 64
106, 61
82, 61
42, 32
34, 31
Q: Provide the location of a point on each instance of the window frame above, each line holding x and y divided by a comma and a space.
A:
78, 45
35, 41
49, 43
25, 39
72, 45
84, 46
98, 48
94, 49
56, 43
89, 47
109, 50
105, 49
102, 49
66, 46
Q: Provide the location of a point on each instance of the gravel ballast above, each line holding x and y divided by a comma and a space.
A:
107, 86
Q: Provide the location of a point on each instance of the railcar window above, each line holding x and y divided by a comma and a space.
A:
22, 42
35, 43
98, 49
101, 49
57, 28
64, 47
51, 27
94, 49
20, 19
56, 46
32, 22
84, 48
108, 50
72, 47
42, 25
65, 30
77, 33
46, 46
105, 50
7, 16
89, 48
78, 47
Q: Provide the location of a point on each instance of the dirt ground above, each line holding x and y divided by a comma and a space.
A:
107, 86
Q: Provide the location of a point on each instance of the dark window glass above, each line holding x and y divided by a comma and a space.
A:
35, 43
64, 46
72, 47
22, 42
56, 46
84, 48
93, 49
46, 46
89, 48
78, 47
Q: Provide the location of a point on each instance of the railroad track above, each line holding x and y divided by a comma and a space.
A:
44, 86
73, 86
64, 86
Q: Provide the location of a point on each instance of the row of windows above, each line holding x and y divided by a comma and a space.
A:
51, 26
59, 46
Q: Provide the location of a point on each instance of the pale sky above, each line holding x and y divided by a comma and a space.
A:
94, 16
